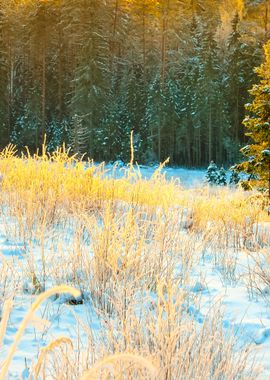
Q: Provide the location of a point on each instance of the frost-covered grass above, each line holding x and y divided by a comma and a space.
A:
174, 282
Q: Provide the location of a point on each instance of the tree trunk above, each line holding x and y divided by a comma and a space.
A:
163, 48
43, 97
210, 154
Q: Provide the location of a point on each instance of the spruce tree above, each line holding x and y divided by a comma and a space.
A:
257, 124
212, 174
78, 136
238, 78
209, 90
234, 177
4, 122
235, 76
221, 177
116, 126
190, 101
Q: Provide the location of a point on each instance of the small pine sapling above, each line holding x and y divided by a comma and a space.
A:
234, 178
212, 173
221, 177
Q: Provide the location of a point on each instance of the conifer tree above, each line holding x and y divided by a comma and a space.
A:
234, 177
221, 177
235, 76
190, 99
78, 136
257, 124
238, 79
115, 129
209, 88
4, 122
212, 173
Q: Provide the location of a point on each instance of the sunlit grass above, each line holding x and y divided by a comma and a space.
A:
133, 244
48, 182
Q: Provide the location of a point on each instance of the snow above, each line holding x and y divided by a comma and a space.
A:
188, 178
248, 316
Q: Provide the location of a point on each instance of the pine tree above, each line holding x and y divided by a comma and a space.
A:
221, 177
78, 136
24, 131
209, 91
136, 102
116, 126
238, 78
162, 118
234, 177
258, 127
88, 85
212, 173
235, 76
188, 75
4, 122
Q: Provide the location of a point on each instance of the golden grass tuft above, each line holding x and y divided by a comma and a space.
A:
46, 350
111, 361
27, 319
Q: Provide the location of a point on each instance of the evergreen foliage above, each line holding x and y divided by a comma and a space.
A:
88, 72
257, 123
78, 135
216, 176
221, 177
212, 174
234, 177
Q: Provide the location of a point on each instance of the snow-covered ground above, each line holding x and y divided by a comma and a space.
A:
187, 178
246, 314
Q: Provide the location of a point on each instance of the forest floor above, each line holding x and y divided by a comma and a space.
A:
174, 276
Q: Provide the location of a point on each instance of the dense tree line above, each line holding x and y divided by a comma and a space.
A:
87, 72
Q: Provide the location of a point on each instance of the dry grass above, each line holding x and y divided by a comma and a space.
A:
29, 317
130, 246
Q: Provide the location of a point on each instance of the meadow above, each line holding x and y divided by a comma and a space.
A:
120, 277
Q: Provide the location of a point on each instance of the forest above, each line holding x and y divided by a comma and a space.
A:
88, 72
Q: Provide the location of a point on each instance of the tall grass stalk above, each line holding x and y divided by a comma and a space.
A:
27, 319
